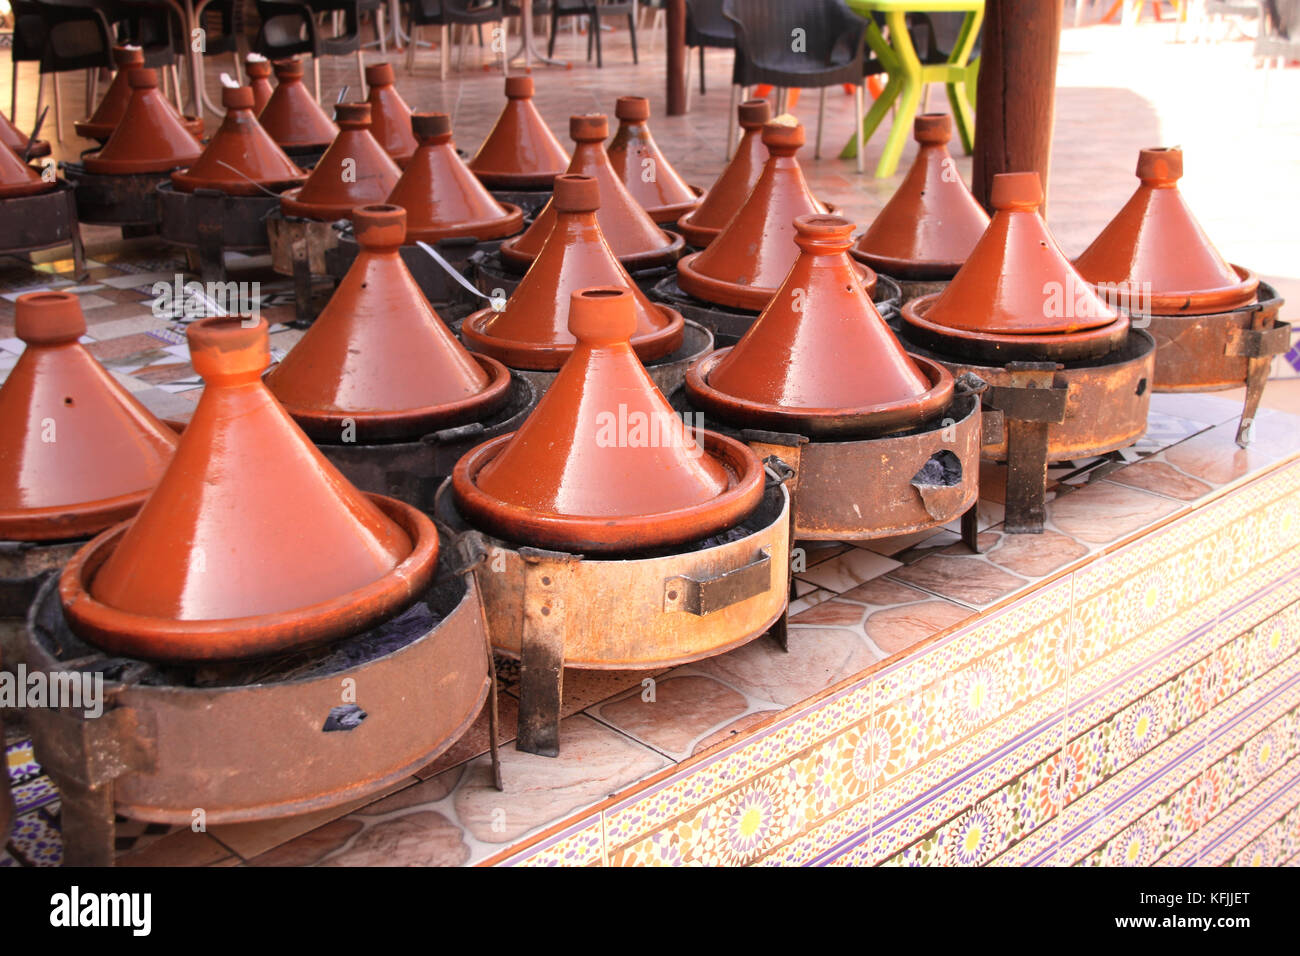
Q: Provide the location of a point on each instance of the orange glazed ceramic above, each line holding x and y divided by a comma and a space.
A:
259, 78
150, 137
292, 116
390, 117
112, 107
355, 171
644, 169
241, 159
701, 225
520, 152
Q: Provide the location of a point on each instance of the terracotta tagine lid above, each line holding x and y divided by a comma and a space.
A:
112, 107
78, 452
150, 138
390, 117
355, 171
631, 233
520, 152
820, 359
258, 69
532, 330
751, 257
379, 357
17, 140
292, 116
19, 179
701, 225
1154, 246
931, 224
604, 464
252, 543
241, 156
644, 170
1018, 289
442, 198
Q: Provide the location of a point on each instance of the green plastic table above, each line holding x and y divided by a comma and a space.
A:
908, 75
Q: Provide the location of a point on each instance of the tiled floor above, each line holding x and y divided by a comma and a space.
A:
856, 604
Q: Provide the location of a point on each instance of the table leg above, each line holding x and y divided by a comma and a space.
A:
893, 70
964, 77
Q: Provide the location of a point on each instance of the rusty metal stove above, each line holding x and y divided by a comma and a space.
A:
29, 223
126, 200
207, 223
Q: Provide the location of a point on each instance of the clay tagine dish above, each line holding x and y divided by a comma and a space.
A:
632, 234
442, 198
241, 159
212, 568
150, 137
78, 453
520, 152
643, 168
19, 179
1155, 244
20, 142
390, 117
932, 222
532, 331
112, 106
258, 69
751, 257
702, 224
565, 480
820, 360
1017, 297
293, 117
355, 171
378, 362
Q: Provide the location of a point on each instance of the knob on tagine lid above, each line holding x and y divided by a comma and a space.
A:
701, 225
932, 222
520, 152
603, 463
645, 171
442, 198
241, 159
532, 329
150, 138
820, 360
355, 171
78, 452
1154, 243
251, 543
378, 357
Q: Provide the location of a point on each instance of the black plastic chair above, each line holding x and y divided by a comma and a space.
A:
155, 28
290, 28
60, 37
445, 14
593, 10
706, 27
812, 44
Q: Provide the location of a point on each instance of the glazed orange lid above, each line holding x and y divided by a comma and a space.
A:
252, 542
17, 140
442, 198
390, 117
532, 330
751, 257
150, 138
520, 151
1017, 281
643, 168
292, 116
112, 107
820, 350
258, 68
378, 357
632, 234
355, 171
19, 179
702, 224
932, 222
1155, 246
77, 451
603, 463
241, 156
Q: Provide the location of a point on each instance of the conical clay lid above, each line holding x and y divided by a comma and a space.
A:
390, 117
379, 357
603, 463
292, 116
78, 452
750, 259
1155, 249
252, 542
355, 171
932, 223
112, 107
701, 225
520, 152
442, 198
17, 140
19, 179
258, 69
150, 138
241, 156
631, 233
643, 168
532, 330
820, 350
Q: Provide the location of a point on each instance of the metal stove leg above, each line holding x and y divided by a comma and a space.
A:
1026, 478
212, 260
88, 824
970, 524
1259, 343
74, 236
541, 657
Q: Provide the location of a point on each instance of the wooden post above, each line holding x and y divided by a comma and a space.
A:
676, 45
1016, 99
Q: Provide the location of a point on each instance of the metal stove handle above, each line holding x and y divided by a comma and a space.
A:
702, 596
